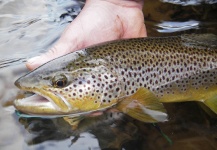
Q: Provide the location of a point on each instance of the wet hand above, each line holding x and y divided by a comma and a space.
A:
99, 21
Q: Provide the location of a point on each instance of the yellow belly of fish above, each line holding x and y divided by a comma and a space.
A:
89, 103
208, 96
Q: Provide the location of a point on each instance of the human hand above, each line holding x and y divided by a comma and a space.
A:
99, 21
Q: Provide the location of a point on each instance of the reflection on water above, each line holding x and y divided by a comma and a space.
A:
172, 26
117, 131
190, 2
167, 19
28, 28
105, 131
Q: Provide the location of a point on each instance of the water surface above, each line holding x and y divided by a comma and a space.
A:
28, 28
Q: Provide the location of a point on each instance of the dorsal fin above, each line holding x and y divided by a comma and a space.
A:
200, 40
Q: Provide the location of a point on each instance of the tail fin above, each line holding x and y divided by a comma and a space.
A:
143, 106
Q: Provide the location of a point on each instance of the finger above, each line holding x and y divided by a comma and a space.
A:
67, 43
43, 58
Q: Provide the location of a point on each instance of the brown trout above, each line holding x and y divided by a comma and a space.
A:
134, 76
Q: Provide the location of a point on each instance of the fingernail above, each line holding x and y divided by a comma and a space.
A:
33, 60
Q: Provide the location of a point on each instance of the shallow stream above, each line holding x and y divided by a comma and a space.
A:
28, 28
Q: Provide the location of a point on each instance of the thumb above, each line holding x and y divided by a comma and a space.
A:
67, 43
37, 61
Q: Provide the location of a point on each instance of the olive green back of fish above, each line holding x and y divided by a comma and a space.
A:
176, 69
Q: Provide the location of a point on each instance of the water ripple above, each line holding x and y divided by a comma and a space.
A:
190, 2
12, 61
28, 28
174, 26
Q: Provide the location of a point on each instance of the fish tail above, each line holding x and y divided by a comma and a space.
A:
143, 106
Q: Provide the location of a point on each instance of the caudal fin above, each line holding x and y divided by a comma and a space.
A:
143, 106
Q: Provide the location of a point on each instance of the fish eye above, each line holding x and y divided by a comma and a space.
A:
59, 81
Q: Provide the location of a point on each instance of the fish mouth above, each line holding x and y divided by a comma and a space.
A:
42, 103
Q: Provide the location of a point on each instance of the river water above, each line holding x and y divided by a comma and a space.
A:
28, 28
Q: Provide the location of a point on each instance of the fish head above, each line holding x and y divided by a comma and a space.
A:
71, 84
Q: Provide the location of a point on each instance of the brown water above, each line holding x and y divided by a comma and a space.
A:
28, 28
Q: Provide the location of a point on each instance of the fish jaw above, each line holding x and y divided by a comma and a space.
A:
35, 105
43, 102
49, 105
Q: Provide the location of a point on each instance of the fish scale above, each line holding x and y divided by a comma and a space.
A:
134, 75
162, 67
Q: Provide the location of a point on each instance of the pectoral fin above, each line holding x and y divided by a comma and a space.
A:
211, 102
73, 121
143, 106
